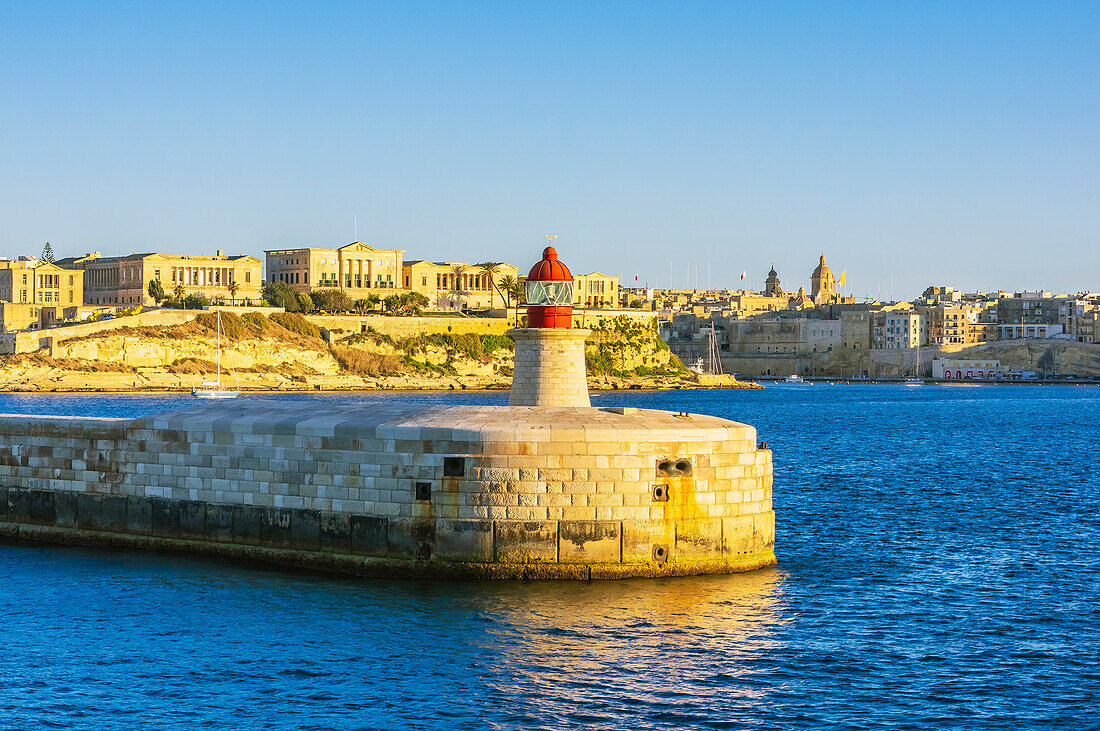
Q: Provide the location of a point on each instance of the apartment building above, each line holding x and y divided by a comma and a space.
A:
1029, 315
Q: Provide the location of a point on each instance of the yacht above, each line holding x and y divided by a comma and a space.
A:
213, 389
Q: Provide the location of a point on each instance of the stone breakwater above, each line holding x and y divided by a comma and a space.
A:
480, 492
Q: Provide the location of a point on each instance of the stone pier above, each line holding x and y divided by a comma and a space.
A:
464, 491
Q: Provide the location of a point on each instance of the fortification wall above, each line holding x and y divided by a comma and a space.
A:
404, 327
464, 491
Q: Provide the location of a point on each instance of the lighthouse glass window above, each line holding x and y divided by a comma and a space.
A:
549, 293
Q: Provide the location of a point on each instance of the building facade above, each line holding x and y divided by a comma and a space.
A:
967, 369
28, 280
123, 281
901, 329
358, 268
1029, 315
595, 290
450, 285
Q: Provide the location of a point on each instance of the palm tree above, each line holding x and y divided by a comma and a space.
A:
179, 291
233, 286
492, 268
518, 293
459, 290
507, 285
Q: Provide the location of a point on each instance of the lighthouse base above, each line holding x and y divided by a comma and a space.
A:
549, 368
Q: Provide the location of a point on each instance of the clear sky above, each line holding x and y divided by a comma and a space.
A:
914, 143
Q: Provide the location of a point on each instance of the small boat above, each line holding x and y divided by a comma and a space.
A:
213, 389
913, 382
795, 379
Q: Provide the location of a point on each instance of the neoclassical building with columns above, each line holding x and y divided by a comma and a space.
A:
357, 267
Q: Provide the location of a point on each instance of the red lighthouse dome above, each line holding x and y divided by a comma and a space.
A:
549, 292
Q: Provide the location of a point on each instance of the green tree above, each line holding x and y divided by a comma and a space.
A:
47, 253
408, 303
305, 302
331, 300
233, 287
179, 291
280, 294
156, 291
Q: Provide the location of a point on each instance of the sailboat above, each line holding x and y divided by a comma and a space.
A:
213, 389
915, 380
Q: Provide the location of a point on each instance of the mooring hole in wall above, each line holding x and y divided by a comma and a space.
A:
660, 493
423, 491
674, 468
454, 466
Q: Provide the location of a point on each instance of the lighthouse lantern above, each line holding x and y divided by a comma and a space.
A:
550, 293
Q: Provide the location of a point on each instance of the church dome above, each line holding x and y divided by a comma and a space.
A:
823, 271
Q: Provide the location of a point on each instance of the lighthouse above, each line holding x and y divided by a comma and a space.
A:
549, 368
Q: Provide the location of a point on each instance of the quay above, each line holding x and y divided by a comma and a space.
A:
546, 487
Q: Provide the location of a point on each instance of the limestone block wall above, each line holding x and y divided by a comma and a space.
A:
404, 327
549, 367
494, 491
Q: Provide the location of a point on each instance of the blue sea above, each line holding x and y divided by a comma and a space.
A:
939, 567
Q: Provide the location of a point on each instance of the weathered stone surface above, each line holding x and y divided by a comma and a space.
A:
275, 527
464, 540
588, 541
220, 520
191, 516
40, 506
139, 515
336, 532
305, 529
527, 541
248, 523
113, 512
369, 535
88, 511
64, 509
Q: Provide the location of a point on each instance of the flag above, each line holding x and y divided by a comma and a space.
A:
635, 277
743, 274
842, 277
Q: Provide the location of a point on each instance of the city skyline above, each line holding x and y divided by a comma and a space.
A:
728, 139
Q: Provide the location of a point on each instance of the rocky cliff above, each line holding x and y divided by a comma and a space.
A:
286, 352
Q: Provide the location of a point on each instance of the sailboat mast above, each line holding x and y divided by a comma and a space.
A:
219, 348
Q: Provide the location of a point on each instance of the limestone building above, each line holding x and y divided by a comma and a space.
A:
124, 280
451, 285
28, 280
595, 289
358, 268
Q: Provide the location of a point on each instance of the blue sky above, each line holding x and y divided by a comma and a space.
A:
914, 143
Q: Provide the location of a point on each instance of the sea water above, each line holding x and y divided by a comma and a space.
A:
939, 567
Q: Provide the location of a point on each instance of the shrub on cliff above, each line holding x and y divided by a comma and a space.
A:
364, 362
296, 324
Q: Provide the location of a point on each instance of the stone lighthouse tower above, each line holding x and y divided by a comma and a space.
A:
549, 367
